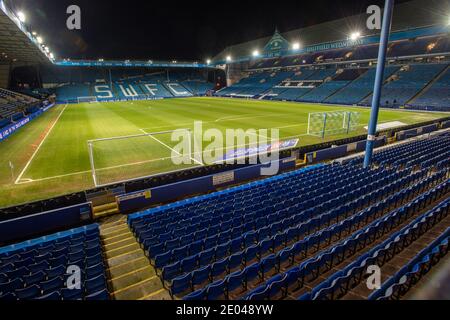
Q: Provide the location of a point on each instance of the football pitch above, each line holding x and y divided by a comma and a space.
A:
50, 156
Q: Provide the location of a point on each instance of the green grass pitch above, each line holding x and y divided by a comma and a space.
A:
50, 155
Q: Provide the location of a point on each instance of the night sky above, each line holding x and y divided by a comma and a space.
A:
166, 30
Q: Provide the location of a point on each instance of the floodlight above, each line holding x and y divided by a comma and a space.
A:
296, 46
355, 36
208, 61
21, 16
228, 58
255, 53
39, 40
52, 56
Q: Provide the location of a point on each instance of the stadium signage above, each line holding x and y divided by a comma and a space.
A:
224, 178
335, 45
262, 149
9, 130
5, 133
234, 146
147, 194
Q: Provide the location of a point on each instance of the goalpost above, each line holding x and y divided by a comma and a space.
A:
120, 159
321, 124
90, 99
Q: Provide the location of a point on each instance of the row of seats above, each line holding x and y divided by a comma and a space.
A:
293, 228
409, 82
134, 89
272, 264
205, 252
350, 86
158, 244
55, 75
419, 266
13, 106
413, 153
42, 268
253, 239
338, 284
437, 95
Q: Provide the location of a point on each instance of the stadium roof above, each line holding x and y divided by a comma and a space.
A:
17, 44
413, 14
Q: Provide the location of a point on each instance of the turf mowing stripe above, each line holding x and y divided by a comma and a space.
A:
39, 146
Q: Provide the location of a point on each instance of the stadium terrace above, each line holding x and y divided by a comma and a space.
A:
306, 165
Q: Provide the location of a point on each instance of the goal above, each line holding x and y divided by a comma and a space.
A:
87, 99
120, 159
321, 124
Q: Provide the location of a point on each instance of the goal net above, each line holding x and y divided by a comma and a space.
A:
120, 159
323, 124
87, 99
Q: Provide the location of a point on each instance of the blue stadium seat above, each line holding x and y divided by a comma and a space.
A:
96, 284
180, 284
52, 285
235, 281
28, 293
219, 268
71, 294
216, 291
53, 296
98, 296
196, 296
201, 276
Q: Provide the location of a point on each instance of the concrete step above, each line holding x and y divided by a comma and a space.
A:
120, 237
122, 259
104, 207
137, 275
114, 231
139, 290
161, 294
127, 267
112, 243
117, 252
106, 213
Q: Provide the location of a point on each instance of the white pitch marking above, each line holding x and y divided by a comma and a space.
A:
39, 146
170, 148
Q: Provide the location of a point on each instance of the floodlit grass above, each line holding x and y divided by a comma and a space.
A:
61, 164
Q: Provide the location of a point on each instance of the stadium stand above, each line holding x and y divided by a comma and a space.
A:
266, 240
437, 96
360, 88
255, 85
404, 85
41, 269
325, 90
13, 106
76, 83
407, 83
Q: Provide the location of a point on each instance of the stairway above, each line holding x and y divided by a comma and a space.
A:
104, 203
130, 275
105, 210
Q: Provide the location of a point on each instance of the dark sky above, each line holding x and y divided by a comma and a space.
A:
170, 29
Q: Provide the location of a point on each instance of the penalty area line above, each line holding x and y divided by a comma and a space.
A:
170, 148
